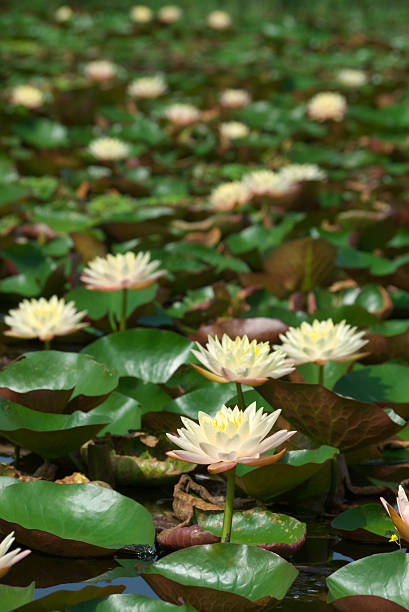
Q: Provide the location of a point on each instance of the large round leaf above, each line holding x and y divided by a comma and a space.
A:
229, 577
12, 597
293, 469
150, 354
59, 600
46, 380
48, 435
330, 418
129, 602
149, 472
388, 382
72, 520
277, 532
368, 523
384, 575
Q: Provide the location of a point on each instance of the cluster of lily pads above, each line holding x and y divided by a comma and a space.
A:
204, 235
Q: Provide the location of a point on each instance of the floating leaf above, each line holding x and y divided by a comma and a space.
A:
367, 523
128, 602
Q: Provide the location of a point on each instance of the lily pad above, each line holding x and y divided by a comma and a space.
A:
261, 329
48, 435
229, 577
367, 523
72, 520
56, 382
330, 418
128, 602
279, 533
381, 576
12, 597
149, 472
62, 598
152, 355
294, 468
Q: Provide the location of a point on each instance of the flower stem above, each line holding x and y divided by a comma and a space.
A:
321, 375
46, 345
240, 396
122, 325
228, 508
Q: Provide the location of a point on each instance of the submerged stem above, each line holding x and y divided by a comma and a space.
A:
240, 396
46, 345
321, 375
122, 325
228, 508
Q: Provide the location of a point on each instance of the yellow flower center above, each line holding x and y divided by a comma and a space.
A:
221, 420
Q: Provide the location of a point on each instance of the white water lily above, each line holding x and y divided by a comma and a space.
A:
219, 20
228, 196
141, 14
351, 77
300, 173
8, 559
100, 70
266, 183
44, 319
122, 271
169, 14
240, 360
327, 105
109, 149
322, 341
63, 14
235, 98
182, 114
401, 520
27, 95
231, 130
232, 436
147, 87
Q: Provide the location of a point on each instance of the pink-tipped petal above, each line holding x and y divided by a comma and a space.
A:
264, 460
208, 375
221, 466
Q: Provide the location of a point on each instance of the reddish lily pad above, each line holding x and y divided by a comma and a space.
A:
70, 520
330, 418
366, 603
262, 329
228, 577
54, 381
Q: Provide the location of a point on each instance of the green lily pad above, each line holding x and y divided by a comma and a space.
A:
150, 354
56, 382
149, 472
12, 597
128, 602
330, 418
279, 533
388, 382
62, 598
121, 412
48, 435
367, 523
382, 575
42, 133
294, 468
216, 577
72, 520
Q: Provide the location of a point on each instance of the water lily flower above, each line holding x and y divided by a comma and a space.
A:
109, 149
141, 14
231, 130
219, 20
8, 559
229, 196
266, 183
182, 114
322, 341
241, 361
44, 319
147, 87
122, 271
63, 14
401, 520
232, 436
169, 14
352, 78
300, 173
235, 98
327, 105
27, 95
100, 70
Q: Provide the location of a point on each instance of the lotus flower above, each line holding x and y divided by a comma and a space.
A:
321, 342
232, 436
182, 114
27, 95
141, 14
228, 196
352, 78
219, 20
122, 271
240, 361
7, 559
266, 183
108, 149
235, 98
232, 130
63, 14
327, 105
401, 520
147, 87
44, 319
100, 70
300, 173
169, 14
